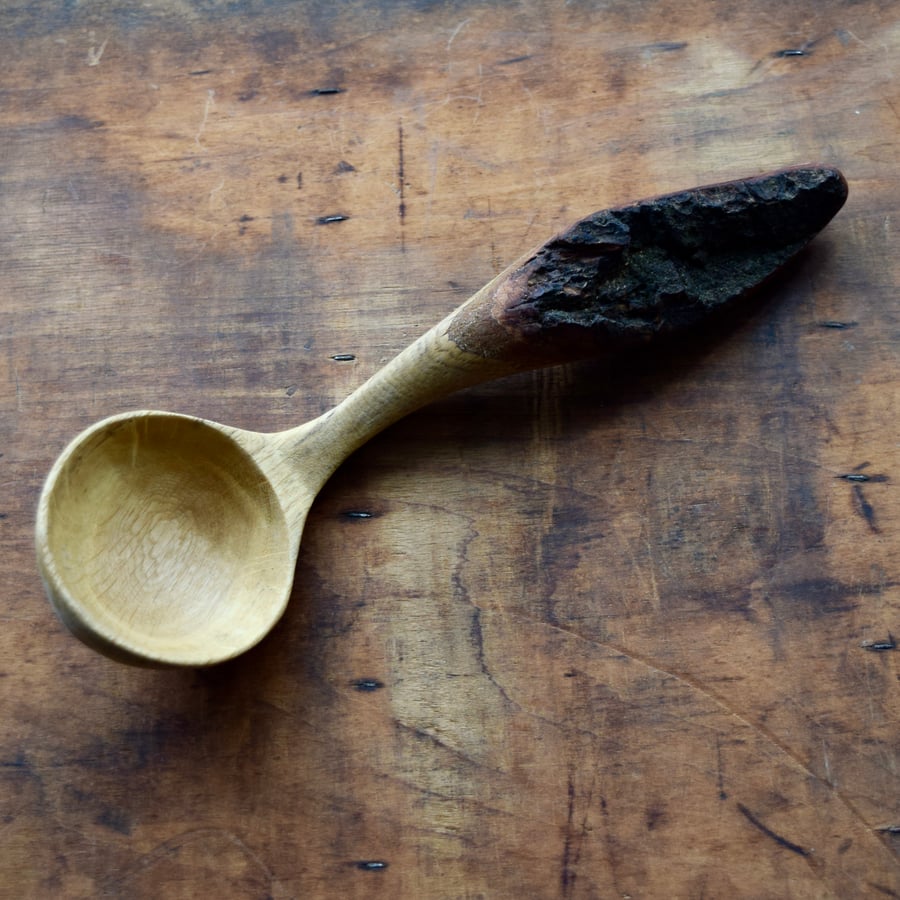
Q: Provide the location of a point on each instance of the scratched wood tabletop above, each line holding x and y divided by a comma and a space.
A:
596, 632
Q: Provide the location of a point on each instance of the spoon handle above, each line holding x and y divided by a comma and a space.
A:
617, 278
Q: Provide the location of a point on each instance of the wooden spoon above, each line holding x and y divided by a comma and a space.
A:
165, 539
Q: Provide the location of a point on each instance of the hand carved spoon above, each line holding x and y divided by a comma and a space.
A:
165, 539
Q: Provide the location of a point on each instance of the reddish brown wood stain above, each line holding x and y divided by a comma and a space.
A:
600, 633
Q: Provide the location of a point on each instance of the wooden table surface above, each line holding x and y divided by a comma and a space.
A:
584, 633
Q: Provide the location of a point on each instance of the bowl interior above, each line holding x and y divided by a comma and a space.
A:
163, 540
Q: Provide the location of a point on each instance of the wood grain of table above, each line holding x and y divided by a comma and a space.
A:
594, 632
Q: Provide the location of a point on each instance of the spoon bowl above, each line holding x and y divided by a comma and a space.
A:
164, 539
170, 537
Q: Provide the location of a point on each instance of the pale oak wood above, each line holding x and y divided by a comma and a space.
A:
172, 540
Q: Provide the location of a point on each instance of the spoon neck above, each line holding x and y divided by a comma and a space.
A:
429, 369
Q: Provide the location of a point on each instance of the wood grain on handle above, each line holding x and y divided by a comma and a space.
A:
617, 278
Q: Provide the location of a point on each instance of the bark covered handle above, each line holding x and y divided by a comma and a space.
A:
628, 275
